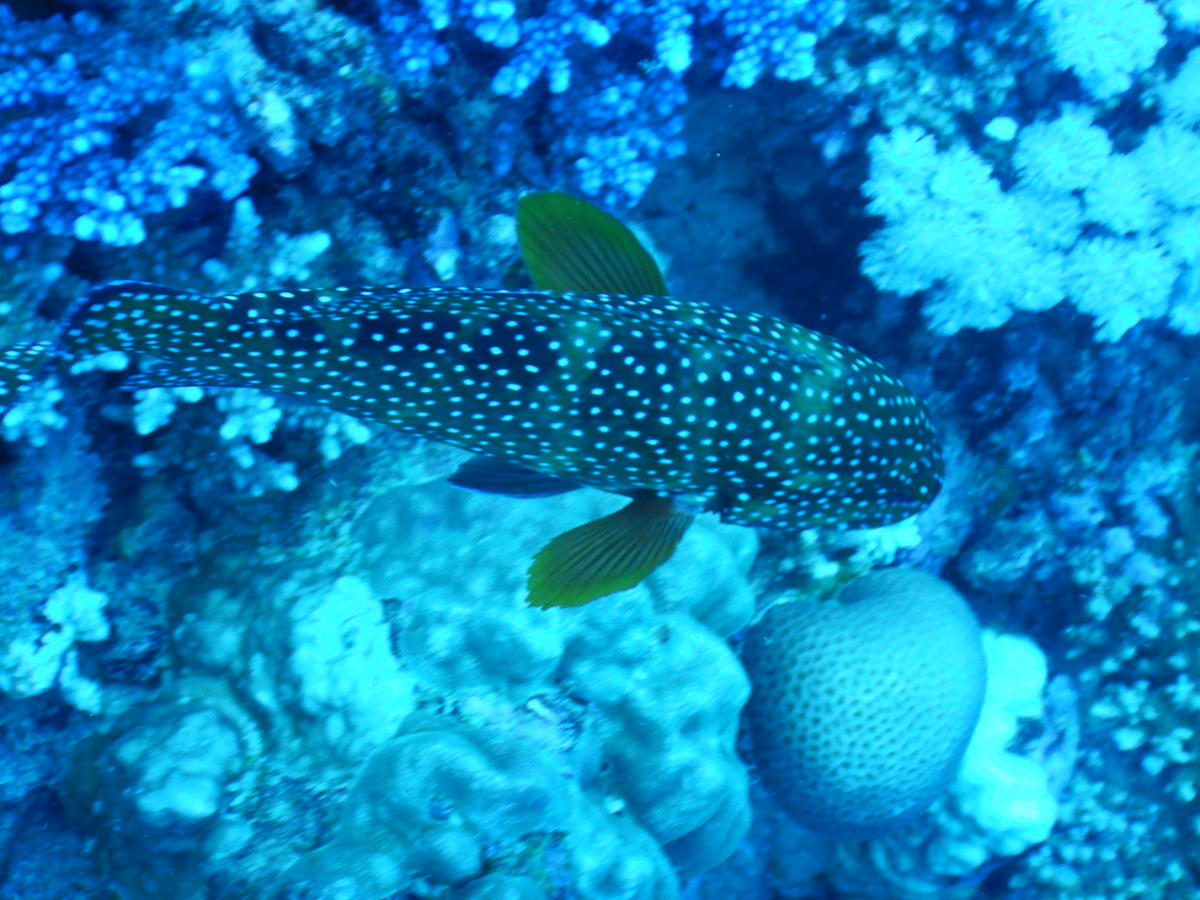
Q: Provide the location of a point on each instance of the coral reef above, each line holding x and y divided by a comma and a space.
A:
90, 153
1107, 45
397, 695
253, 649
1110, 232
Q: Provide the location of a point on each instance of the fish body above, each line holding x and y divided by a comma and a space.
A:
757, 419
597, 378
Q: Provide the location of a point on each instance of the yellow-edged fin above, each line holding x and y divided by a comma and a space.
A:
610, 554
571, 245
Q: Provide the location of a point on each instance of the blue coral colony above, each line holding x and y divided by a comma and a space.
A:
595, 378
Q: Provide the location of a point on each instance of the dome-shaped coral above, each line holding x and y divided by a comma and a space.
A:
862, 706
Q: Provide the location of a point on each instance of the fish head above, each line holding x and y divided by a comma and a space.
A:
857, 450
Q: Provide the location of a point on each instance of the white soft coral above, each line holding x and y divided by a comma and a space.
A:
951, 228
1105, 43
1112, 233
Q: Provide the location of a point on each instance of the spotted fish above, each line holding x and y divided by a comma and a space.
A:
598, 377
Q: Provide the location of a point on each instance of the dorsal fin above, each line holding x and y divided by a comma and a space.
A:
110, 291
571, 245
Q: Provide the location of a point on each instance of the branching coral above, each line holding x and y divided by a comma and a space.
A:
98, 140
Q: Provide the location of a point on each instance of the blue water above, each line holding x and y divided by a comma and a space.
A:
253, 648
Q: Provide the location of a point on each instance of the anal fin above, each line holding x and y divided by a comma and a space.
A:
609, 554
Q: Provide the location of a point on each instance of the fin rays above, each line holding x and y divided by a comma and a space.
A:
571, 245
610, 554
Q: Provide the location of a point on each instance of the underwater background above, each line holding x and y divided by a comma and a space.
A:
252, 648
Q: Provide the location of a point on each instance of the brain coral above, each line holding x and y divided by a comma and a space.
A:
862, 706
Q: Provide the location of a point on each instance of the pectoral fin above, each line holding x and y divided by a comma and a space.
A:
610, 554
499, 476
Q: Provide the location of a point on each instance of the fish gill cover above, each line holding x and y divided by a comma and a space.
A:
257, 647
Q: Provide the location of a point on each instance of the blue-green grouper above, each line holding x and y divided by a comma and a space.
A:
597, 377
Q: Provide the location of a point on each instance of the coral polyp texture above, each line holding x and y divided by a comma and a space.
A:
999, 803
255, 648
863, 704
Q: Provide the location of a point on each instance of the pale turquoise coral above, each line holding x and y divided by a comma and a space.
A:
1109, 231
39, 655
999, 804
864, 702
404, 664
1105, 44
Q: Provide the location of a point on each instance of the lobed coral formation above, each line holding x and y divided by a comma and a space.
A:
442, 729
863, 705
